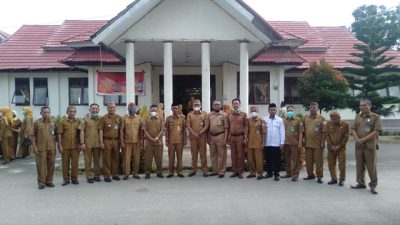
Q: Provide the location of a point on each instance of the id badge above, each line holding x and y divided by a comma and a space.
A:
219, 123
116, 126
316, 128
368, 126
292, 129
257, 130
53, 131
178, 128
201, 123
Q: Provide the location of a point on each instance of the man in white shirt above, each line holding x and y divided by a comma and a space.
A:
275, 139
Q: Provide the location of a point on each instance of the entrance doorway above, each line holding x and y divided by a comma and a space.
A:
186, 87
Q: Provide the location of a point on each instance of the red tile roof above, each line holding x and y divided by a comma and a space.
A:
23, 51
91, 56
279, 55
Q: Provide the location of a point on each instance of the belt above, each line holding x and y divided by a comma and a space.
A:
111, 139
216, 134
237, 135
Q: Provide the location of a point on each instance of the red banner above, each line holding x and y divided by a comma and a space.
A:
114, 83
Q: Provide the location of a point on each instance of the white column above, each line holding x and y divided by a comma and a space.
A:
130, 71
91, 85
205, 76
244, 76
281, 87
168, 82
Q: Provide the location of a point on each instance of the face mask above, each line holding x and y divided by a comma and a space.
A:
93, 115
132, 111
235, 110
196, 108
254, 114
153, 114
290, 114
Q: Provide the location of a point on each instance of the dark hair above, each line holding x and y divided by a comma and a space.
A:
314, 104
69, 107
174, 104
236, 99
90, 106
271, 105
152, 106
290, 106
45, 107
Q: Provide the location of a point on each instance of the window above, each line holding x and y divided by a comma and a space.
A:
258, 88
40, 92
78, 91
22, 94
118, 99
394, 91
292, 94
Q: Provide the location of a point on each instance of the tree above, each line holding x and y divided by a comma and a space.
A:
323, 84
379, 29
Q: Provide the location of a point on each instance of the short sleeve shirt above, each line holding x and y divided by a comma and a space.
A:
218, 122
131, 127
256, 132
110, 125
364, 124
176, 127
313, 128
91, 129
293, 128
44, 133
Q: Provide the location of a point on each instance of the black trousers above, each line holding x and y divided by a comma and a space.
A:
273, 160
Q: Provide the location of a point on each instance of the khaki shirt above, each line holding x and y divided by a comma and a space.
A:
5, 130
131, 127
91, 129
16, 125
197, 121
175, 127
68, 128
44, 133
238, 123
110, 126
218, 122
257, 131
314, 130
27, 127
337, 134
153, 126
364, 124
293, 128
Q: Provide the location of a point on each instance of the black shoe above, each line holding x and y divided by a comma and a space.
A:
250, 176
341, 183
5, 163
116, 178
332, 182
50, 185
41, 187
136, 177
309, 178
240, 176
295, 179
358, 186
268, 176
170, 175
125, 178
259, 177
108, 180
97, 179
276, 178
373, 191
90, 181
181, 175
221, 176
147, 176
320, 180
65, 182
191, 174
205, 175
234, 175
287, 176
212, 174
76, 182
160, 175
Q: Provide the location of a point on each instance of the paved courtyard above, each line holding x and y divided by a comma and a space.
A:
201, 200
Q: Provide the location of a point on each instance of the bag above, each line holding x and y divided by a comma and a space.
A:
27, 142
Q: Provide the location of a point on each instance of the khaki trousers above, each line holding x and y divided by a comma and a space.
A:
255, 159
218, 154
45, 162
340, 157
315, 156
23, 151
175, 149
366, 158
198, 146
92, 155
131, 153
292, 160
111, 158
153, 151
70, 157
237, 154
6, 147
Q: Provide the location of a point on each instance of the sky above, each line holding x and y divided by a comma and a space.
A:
15, 13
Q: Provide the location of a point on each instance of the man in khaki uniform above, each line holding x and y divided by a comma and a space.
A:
175, 139
25, 133
109, 130
314, 143
255, 144
337, 135
68, 139
365, 129
89, 143
237, 137
131, 141
197, 124
217, 138
153, 129
44, 146
15, 128
6, 137
293, 143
